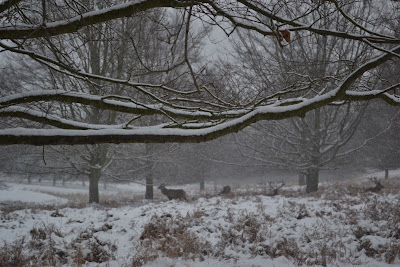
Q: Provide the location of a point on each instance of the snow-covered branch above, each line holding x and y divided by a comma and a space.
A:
241, 13
53, 120
116, 103
73, 24
187, 110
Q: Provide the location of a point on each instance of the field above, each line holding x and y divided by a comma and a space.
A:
341, 225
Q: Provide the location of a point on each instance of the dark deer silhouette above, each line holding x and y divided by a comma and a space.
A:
173, 193
275, 188
378, 186
226, 190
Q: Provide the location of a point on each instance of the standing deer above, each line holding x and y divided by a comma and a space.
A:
378, 186
173, 193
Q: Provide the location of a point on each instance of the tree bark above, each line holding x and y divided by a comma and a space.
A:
149, 186
73, 24
312, 180
54, 181
202, 185
149, 170
302, 178
94, 186
386, 174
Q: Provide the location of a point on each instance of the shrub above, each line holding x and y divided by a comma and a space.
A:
170, 236
12, 255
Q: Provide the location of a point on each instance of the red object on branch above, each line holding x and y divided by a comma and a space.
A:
285, 34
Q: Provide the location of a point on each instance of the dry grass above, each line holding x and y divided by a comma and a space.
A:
170, 236
13, 255
363, 216
43, 250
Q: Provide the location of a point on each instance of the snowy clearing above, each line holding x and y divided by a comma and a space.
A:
342, 225
20, 193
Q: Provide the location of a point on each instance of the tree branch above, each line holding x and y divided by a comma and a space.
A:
73, 24
7, 4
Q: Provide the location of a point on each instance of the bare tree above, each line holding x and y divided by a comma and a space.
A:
307, 145
377, 139
129, 47
313, 64
192, 111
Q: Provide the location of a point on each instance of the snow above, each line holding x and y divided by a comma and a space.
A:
76, 18
309, 224
75, 124
20, 193
72, 188
251, 262
381, 174
168, 134
239, 118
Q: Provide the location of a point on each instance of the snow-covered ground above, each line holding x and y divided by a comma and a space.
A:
340, 226
381, 174
21, 193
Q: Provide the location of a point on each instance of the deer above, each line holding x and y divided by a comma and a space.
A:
173, 193
275, 188
378, 186
226, 190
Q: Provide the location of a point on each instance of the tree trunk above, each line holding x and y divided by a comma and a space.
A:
150, 148
54, 181
312, 175
202, 185
302, 178
105, 185
29, 179
386, 174
312, 180
94, 186
83, 182
98, 160
149, 187
63, 181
